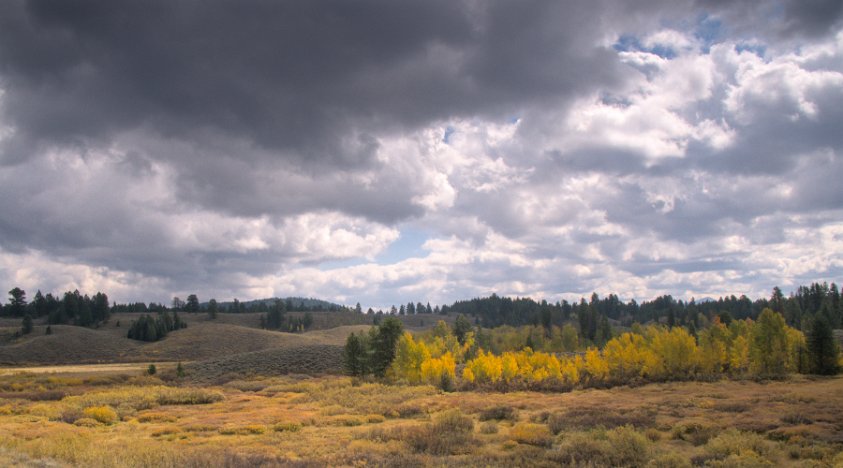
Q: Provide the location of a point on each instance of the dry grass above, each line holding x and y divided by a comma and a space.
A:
298, 420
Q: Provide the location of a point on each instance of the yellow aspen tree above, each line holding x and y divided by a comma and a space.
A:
768, 349
596, 366
570, 370
676, 350
739, 355
628, 357
409, 356
509, 367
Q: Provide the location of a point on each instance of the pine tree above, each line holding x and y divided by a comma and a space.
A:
383, 346
822, 348
354, 356
26, 326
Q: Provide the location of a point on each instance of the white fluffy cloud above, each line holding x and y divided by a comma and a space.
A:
634, 155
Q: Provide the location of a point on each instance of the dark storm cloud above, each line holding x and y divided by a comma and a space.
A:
810, 18
252, 124
293, 77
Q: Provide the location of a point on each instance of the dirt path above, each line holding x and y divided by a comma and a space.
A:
85, 368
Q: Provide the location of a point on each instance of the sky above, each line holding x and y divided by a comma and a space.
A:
383, 152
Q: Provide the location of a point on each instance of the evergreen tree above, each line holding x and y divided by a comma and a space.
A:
822, 348
40, 304
354, 356
26, 326
461, 327
84, 318
192, 305
307, 320
383, 345
213, 309
275, 317
17, 302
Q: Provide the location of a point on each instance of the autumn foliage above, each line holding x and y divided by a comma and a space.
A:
766, 348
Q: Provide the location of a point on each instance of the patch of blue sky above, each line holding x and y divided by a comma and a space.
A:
757, 49
409, 244
446, 137
628, 43
708, 30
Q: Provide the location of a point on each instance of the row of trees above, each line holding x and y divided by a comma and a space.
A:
799, 309
276, 319
148, 328
766, 348
73, 307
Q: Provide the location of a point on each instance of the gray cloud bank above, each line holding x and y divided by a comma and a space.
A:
229, 148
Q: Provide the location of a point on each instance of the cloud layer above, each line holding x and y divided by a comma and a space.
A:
387, 152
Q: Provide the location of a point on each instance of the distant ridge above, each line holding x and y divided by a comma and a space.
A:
298, 302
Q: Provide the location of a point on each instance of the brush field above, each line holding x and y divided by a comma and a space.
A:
125, 418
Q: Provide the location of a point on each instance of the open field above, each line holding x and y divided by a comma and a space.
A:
86, 369
125, 419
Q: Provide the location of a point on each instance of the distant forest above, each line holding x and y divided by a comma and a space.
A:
595, 317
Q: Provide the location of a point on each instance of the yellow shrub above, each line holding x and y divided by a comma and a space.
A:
103, 414
531, 434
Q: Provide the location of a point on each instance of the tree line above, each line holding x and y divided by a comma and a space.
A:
765, 348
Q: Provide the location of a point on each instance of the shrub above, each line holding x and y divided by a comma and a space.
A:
489, 427
622, 446
670, 460
374, 418
87, 422
796, 419
742, 460
499, 413
734, 442
70, 415
653, 434
103, 414
531, 434
151, 369
581, 449
629, 447
694, 433
450, 434
346, 420
156, 417
286, 427
556, 423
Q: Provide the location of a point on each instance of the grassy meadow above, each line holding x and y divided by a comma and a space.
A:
126, 418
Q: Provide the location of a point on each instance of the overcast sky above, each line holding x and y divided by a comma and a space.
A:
383, 151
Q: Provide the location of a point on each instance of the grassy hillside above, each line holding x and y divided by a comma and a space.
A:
203, 339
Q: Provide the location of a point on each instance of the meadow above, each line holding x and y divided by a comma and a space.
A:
128, 418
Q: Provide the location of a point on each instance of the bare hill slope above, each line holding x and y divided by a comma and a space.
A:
201, 340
